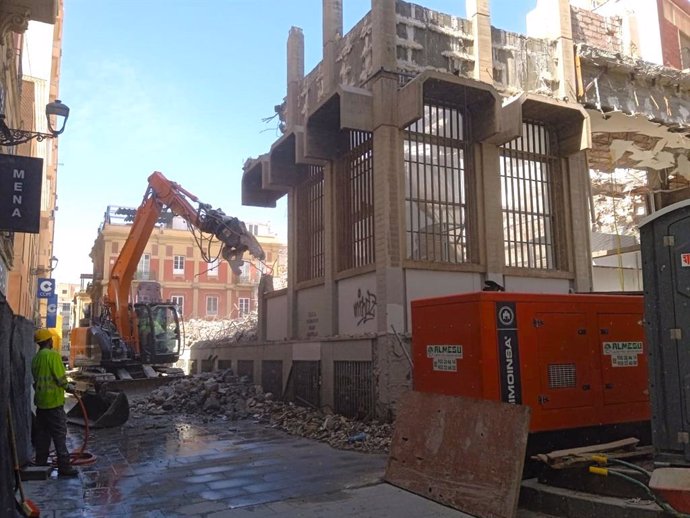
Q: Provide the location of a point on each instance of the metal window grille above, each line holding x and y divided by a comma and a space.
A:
246, 368
530, 197
310, 228
562, 375
207, 365
272, 377
353, 389
437, 172
224, 364
304, 383
355, 202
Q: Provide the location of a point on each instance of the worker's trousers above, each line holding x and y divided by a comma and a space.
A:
51, 424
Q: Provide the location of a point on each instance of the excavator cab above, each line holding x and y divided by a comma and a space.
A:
158, 326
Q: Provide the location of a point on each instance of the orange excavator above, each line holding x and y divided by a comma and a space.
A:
134, 343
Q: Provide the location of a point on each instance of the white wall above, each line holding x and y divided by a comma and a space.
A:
421, 284
312, 319
357, 305
276, 319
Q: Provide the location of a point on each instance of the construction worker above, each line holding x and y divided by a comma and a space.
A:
50, 384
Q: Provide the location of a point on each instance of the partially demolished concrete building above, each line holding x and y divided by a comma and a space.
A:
428, 154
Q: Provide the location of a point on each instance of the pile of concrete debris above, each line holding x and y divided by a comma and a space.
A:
223, 395
242, 329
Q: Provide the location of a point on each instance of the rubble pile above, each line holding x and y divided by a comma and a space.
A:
223, 395
237, 330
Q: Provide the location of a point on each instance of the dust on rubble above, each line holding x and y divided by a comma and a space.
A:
221, 395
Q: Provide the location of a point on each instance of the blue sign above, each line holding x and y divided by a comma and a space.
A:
51, 316
46, 288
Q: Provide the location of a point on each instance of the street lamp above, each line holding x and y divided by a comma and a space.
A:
53, 265
56, 113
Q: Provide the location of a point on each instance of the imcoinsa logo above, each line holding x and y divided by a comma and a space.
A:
506, 315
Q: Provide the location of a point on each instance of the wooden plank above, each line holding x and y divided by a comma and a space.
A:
630, 442
461, 452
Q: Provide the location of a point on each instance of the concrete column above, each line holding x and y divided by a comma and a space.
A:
292, 324
388, 167
383, 33
551, 19
388, 189
295, 74
332, 33
578, 173
479, 14
329, 225
492, 235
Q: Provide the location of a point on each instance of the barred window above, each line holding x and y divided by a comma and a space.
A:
529, 195
436, 185
355, 203
310, 228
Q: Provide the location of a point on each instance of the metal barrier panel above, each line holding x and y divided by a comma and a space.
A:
272, 377
306, 376
353, 388
246, 368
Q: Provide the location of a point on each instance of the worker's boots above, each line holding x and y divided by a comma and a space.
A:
67, 471
65, 468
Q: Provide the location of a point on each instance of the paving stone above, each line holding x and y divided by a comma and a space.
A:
201, 508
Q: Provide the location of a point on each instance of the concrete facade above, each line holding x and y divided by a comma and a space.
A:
359, 112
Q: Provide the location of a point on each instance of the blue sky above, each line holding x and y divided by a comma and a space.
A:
181, 87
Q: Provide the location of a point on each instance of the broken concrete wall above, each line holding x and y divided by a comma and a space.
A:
524, 64
599, 31
428, 39
392, 372
620, 83
354, 54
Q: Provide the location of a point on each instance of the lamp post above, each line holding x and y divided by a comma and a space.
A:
53, 265
57, 114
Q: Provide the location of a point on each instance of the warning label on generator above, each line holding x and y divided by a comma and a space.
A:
445, 357
685, 260
623, 354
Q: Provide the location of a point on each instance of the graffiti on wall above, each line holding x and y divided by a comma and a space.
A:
364, 307
312, 324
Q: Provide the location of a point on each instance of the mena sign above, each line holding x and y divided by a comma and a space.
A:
20, 193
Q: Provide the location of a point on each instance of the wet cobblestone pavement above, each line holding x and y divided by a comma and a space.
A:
177, 467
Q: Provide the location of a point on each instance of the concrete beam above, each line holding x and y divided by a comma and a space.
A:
253, 192
347, 108
482, 100
570, 120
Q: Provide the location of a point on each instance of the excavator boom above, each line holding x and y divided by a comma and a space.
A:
161, 194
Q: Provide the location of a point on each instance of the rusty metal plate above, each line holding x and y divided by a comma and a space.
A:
461, 452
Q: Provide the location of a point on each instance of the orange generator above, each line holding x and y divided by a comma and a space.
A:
577, 360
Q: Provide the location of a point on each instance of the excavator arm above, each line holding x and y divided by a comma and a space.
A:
160, 194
